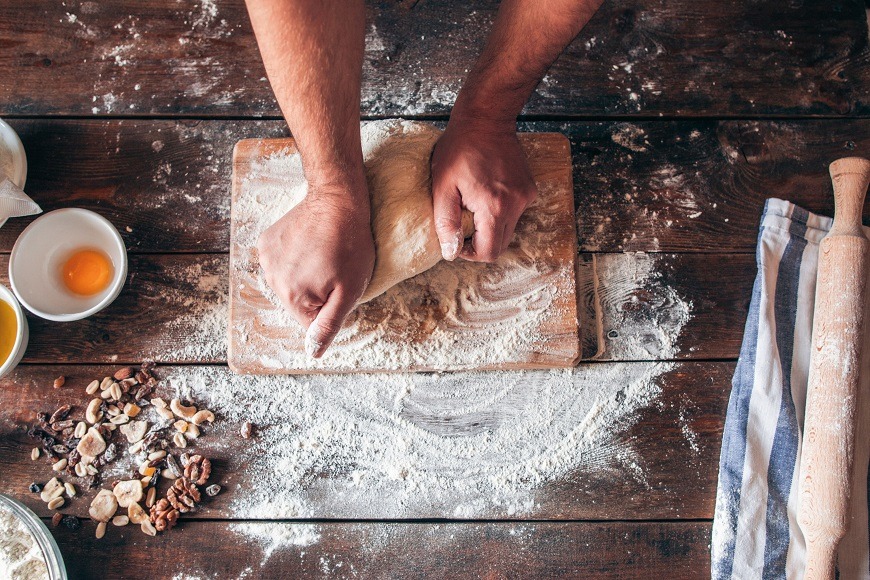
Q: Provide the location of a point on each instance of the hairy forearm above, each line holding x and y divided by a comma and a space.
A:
527, 36
313, 53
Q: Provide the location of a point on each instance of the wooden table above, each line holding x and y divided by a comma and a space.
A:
683, 117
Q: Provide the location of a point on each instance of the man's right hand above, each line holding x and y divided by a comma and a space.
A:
319, 259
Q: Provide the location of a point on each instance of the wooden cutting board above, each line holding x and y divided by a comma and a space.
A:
519, 313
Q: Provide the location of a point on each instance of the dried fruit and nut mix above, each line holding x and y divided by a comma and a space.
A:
81, 441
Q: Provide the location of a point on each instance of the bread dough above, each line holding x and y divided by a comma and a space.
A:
396, 155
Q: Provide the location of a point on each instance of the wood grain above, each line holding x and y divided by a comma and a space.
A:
530, 294
653, 186
636, 57
660, 462
387, 550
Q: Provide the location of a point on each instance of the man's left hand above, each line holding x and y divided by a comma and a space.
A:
480, 166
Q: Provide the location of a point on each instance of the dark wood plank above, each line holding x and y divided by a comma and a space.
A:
395, 550
636, 57
658, 461
635, 307
648, 186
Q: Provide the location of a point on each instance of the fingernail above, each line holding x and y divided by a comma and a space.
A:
450, 250
313, 344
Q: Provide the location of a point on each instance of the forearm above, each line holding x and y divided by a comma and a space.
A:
313, 53
527, 36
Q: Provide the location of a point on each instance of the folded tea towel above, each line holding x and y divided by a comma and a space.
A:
755, 530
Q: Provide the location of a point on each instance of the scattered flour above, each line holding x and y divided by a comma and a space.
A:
464, 445
648, 314
275, 536
630, 136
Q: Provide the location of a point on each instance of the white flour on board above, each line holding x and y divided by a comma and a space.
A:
501, 308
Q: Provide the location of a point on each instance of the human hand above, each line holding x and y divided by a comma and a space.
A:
479, 165
318, 258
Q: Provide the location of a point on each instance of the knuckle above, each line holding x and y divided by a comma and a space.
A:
328, 326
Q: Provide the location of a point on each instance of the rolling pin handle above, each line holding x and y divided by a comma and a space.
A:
850, 176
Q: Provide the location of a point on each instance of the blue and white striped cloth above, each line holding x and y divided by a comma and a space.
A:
755, 531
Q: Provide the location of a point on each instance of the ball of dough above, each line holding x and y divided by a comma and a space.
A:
396, 155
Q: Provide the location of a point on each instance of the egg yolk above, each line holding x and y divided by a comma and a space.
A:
87, 272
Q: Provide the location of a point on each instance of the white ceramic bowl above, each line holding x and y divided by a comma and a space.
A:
21, 336
9, 140
39, 254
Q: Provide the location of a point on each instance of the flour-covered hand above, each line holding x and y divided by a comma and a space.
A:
318, 259
479, 165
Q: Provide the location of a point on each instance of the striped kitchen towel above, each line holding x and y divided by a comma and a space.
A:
755, 530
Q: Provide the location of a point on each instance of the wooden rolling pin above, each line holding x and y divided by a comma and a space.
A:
828, 453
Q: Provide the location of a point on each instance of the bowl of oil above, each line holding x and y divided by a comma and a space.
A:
14, 331
68, 264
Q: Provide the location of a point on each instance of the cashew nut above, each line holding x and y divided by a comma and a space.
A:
93, 413
180, 410
202, 416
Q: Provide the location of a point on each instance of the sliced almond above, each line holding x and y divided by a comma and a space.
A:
92, 443
104, 506
150, 497
184, 412
128, 492
134, 431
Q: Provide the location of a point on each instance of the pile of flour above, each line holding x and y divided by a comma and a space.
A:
20, 555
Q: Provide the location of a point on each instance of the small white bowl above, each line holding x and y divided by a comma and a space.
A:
39, 254
21, 336
10, 141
